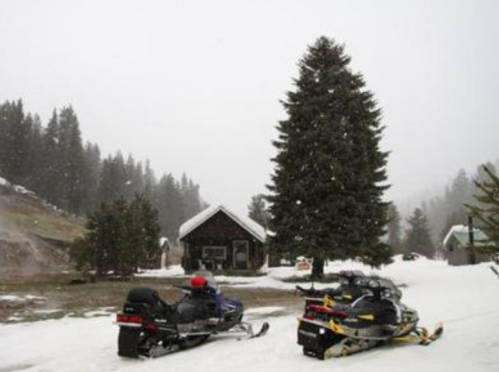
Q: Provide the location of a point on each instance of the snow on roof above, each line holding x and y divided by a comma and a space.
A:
246, 223
461, 233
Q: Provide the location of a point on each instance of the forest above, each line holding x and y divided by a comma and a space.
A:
53, 161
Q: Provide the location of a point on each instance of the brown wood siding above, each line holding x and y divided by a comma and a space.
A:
220, 230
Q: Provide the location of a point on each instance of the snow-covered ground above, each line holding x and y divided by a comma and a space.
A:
21, 299
465, 298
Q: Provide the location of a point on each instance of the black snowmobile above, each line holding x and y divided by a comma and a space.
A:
374, 318
352, 286
347, 292
150, 327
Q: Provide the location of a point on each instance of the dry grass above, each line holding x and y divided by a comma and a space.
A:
77, 300
32, 216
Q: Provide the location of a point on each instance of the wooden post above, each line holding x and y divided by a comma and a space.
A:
471, 246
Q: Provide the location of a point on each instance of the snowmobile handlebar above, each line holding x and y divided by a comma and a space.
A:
313, 292
190, 289
376, 287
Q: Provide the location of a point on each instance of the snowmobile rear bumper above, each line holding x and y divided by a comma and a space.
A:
316, 338
128, 342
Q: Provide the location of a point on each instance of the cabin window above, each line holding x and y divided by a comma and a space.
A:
215, 252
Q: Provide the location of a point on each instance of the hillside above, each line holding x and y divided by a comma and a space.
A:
34, 236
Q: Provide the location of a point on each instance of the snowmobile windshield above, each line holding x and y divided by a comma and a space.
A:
210, 279
392, 288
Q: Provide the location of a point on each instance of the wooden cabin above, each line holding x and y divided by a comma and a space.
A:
457, 246
217, 239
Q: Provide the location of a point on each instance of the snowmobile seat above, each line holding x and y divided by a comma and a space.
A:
149, 297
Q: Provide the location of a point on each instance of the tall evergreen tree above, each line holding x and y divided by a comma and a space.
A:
257, 210
170, 207
34, 163
150, 253
90, 177
394, 229
191, 201
113, 178
14, 152
326, 192
149, 182
418, 237
51, 185
72, 160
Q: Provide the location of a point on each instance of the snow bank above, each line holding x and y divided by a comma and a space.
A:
275, 277
21, 299
4, 182
16, 188
264, 310
172, 271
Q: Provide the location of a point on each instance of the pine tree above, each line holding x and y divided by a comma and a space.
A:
51, 182
120, 238
149, 183
394, 229
191, 201
130, 188
326, 193
113, 178
90, 177
102, 247
257, 210
34, 161
150, 253
486, 209
418, 236
14, 152
169, 207
71, 160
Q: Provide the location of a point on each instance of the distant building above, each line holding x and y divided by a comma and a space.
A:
457, 245
220, 240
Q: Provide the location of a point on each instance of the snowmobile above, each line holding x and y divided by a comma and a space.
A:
150, 327
352, 286
345, 293
373, 319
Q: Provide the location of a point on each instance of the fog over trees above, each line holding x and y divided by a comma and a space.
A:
53, 161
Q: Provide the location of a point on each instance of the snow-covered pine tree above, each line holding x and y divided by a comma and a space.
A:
329, 179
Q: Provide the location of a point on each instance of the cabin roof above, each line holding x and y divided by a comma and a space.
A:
461, 234
252, 227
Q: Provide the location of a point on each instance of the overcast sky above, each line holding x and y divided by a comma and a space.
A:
195, 85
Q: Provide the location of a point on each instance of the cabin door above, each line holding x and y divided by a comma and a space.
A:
241, 254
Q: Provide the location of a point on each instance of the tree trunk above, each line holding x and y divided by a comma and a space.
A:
318, 268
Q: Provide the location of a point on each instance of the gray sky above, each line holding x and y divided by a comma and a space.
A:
195, 85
